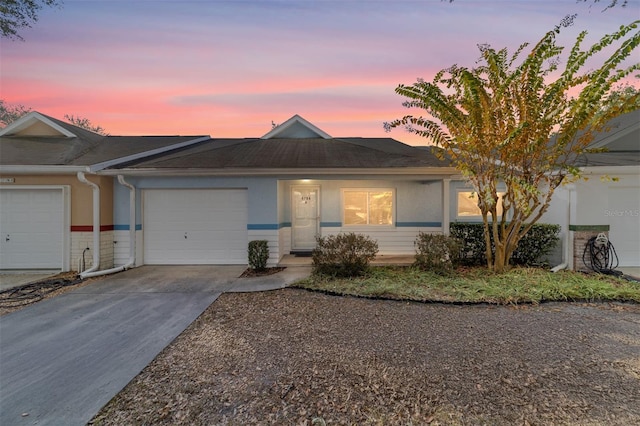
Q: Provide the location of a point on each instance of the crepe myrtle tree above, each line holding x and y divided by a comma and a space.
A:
522, 121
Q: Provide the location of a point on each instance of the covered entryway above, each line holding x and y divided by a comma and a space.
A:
624, 224
32, 227
195, 226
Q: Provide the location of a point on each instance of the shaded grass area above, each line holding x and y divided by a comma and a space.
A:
477, 285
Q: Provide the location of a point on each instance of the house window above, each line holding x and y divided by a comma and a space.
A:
367, 207
468, 205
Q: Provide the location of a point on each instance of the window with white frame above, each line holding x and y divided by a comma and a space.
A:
367, 207
468, 205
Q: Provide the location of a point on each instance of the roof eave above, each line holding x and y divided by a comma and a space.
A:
398, 171
619, 170
27, 119
40, 169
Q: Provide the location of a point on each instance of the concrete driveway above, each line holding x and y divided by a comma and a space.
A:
62, 359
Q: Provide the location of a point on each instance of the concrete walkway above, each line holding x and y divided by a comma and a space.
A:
64, 358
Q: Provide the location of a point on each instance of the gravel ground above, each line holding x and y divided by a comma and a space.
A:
297, 357
14, 299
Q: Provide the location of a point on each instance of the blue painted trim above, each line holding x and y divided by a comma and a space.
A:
284, 225
330, 224
419, 224
126, 227
262, 226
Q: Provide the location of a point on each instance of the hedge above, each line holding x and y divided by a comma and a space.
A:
538, 242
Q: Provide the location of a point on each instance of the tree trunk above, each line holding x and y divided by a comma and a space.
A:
500, 262
487, 240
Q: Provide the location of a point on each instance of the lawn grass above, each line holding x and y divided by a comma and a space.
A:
478, 285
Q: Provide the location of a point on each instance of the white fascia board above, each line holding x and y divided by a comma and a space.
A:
400, 171
41, 170
611, 170
290, 122
105, 164
30, 118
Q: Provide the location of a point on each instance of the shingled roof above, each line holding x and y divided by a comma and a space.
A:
37, 139
621, 141
290, 153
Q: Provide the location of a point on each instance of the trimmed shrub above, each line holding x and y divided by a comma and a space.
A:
541, 239
343, 255
538, 242
471, 237
438, 253
258, 254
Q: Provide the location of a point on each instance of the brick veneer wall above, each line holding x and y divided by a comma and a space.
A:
581, 235
82, 240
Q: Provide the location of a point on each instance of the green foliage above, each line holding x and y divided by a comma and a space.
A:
471, 236
258, 254
539, 241
438, 253
343, 255
522, 121
477, 285
17, 14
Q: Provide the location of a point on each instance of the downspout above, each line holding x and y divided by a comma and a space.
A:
446, 205
132, 222
567, 239
132, 235
96, 223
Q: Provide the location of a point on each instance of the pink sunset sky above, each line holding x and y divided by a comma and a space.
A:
230, 68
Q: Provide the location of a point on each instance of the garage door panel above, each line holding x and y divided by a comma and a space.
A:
624, 224
32, 228
199, 226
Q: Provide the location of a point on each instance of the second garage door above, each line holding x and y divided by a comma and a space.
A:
624, 231
195, 226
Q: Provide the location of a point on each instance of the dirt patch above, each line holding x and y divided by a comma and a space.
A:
297, 357
249, 273
14, 299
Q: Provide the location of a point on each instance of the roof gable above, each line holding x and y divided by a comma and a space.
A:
39, 140
296, 128
36, 124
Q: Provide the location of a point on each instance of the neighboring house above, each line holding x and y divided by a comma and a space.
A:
608, 200
55, 210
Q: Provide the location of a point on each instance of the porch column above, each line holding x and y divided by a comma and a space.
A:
446, 204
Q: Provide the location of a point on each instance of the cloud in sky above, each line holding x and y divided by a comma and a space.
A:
227, 68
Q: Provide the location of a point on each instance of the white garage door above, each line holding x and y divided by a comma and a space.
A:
195, 226
31, 228
624, 224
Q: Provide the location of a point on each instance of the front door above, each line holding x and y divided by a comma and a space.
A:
305, 219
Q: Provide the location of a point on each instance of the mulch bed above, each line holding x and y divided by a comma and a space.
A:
295, 357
